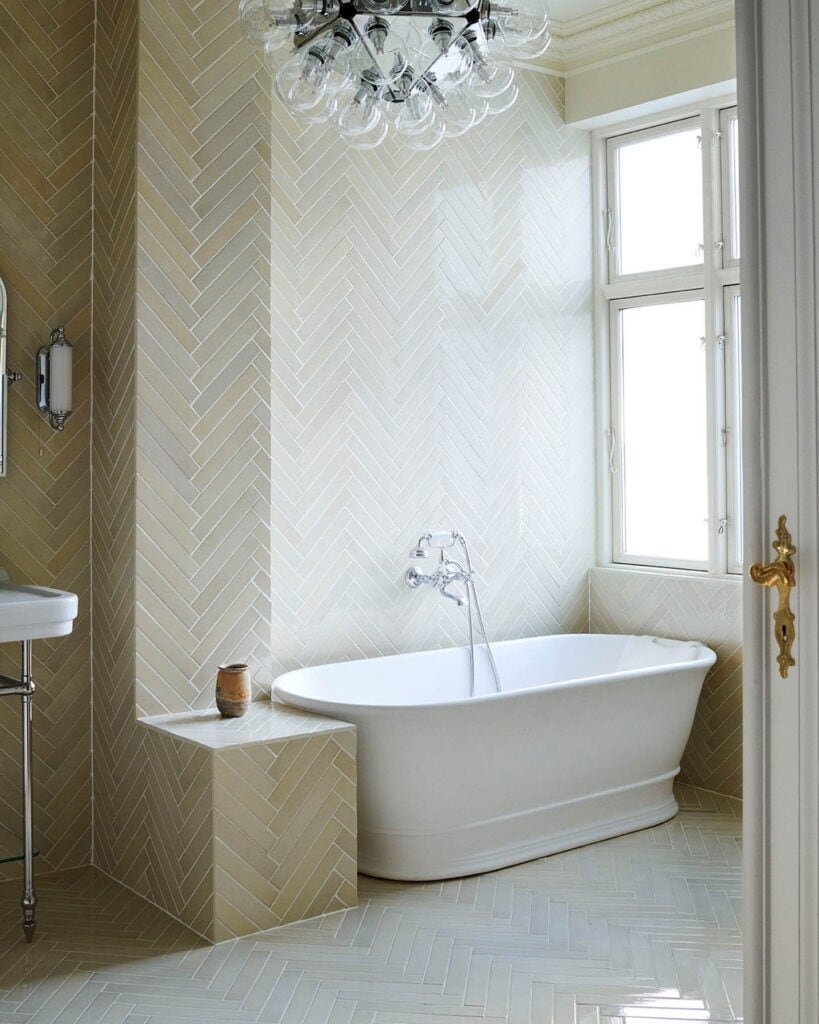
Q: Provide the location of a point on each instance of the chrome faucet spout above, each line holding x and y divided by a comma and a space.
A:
460, 601
447, 572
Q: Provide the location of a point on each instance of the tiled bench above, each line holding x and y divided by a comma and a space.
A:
254, 818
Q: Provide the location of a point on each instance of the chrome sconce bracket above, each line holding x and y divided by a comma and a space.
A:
54, 383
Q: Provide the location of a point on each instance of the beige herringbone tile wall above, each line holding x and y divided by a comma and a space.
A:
121, 759
46, 134
626, 601
203, 551
284, 825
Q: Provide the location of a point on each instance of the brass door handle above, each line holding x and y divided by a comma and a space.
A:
782, 575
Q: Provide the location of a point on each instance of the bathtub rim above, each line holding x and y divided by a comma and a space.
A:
706, 657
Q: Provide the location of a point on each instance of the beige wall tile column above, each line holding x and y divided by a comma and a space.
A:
46, 133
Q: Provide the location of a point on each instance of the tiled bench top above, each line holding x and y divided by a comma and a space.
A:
265, 722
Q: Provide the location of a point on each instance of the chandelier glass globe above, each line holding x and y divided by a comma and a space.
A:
423, 70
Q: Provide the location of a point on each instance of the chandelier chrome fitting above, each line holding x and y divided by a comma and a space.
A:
422, 69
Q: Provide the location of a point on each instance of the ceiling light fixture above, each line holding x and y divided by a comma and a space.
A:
422, 69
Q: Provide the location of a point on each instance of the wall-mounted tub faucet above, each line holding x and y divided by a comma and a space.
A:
446, 574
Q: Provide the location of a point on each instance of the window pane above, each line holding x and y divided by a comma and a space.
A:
665, 416
660, 202
733, 184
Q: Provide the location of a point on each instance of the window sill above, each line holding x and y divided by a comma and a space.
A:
685, 574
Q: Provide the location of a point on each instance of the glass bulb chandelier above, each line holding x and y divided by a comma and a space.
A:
421, 69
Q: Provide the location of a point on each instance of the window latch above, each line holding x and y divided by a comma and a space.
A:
725, 432
612, 440
609, 241
723, 525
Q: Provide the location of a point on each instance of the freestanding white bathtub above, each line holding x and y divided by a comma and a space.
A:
582, 744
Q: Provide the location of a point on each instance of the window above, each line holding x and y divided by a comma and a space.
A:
669, 307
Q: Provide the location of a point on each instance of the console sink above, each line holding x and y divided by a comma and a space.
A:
33, 613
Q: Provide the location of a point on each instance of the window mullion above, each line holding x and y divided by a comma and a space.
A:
614, 435
731, 299
715, 383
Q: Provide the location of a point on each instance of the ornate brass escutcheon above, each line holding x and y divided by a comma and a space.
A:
782, 575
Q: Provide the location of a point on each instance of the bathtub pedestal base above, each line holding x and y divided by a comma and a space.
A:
515, 838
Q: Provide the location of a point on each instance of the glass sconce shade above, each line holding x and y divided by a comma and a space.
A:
54, 379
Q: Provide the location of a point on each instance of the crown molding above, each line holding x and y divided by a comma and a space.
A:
628, 27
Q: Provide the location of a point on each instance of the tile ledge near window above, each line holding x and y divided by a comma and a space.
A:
667, 573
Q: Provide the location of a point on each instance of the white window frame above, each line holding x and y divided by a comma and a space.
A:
693, 270
617, 468
716, 279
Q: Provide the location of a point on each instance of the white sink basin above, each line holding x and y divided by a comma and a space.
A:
32, 613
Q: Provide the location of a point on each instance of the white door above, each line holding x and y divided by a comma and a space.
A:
778, 69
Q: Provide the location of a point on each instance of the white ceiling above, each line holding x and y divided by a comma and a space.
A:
564, 10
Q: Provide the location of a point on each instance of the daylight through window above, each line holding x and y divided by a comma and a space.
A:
670, 260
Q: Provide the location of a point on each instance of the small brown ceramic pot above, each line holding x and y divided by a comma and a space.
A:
233, 690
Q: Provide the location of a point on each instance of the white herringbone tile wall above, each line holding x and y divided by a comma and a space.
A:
708, 610
432, 368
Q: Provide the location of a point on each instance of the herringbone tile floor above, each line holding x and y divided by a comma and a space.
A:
642, 929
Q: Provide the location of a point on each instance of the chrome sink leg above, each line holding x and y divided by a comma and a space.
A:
28, 900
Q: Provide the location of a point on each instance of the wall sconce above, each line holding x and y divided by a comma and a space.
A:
54, 379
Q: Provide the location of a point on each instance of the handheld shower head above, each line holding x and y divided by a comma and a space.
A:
421, 549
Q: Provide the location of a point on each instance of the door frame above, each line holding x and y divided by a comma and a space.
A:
778, 89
